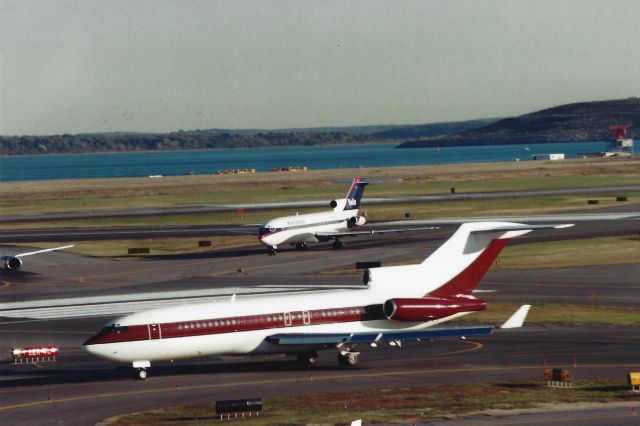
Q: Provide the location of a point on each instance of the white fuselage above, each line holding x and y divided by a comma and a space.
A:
304, 228
242, 326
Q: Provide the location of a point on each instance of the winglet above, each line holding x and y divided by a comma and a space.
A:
517, 319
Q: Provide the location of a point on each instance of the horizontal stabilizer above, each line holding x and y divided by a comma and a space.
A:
521, 227
517, 319
371, 232
371, 337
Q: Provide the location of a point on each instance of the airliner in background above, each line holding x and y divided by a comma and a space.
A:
14, 261
299, 230
396, 303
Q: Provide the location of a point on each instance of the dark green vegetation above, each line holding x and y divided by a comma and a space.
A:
221, 138
579, 122
401, 406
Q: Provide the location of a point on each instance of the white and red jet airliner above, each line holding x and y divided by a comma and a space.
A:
397, 303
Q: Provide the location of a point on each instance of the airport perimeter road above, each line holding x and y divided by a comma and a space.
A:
214, 208
79, 390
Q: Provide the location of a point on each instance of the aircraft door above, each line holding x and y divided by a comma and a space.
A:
287, 319
154, 331
306, 318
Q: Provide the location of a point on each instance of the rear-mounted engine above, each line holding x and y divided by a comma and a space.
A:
430, 308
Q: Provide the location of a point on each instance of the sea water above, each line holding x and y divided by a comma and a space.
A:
175, 163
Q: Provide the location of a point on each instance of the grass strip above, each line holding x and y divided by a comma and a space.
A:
381, 212
555, 313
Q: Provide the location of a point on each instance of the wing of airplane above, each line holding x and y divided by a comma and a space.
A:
337, 338
515, 321
43, 251
14, 262
329, 235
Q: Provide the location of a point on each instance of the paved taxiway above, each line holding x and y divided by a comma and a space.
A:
78, 389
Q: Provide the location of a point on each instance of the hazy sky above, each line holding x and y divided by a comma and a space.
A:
90, 66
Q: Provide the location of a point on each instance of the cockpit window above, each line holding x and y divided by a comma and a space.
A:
265, 230
117, 329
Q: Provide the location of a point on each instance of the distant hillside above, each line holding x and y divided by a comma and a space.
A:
222, 138
432, 130
579, 122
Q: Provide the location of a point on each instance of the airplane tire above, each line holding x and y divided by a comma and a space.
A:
140, 373
337, 245
301, 246
271, 251
348, 360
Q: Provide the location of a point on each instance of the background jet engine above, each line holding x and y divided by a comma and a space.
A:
429, 308
11, 262
356, 221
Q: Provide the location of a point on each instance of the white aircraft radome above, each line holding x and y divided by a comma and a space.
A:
395, 303
14, 261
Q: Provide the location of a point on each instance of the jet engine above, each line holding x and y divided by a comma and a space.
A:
429, 308
356, 221
11, 262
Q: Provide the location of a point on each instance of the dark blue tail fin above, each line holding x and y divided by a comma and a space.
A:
355, 194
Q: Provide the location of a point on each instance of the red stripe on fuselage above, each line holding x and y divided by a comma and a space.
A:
237, 324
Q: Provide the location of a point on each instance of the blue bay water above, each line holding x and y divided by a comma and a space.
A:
174, 163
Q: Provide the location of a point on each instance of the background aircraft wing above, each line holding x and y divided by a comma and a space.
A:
370, 232
43, 251
373, 337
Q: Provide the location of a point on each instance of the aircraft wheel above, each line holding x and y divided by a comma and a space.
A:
337, 245
271, 251
301, 246
307, 358
140, 373
348, 359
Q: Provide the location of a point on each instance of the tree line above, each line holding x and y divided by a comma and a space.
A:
87, 143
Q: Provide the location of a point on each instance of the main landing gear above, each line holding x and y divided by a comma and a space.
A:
140, 369
337, 244
271, 250
301, 246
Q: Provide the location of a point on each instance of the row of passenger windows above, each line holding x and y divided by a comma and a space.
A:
267, 319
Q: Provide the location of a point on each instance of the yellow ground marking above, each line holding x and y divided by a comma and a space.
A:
129, 393
474, 347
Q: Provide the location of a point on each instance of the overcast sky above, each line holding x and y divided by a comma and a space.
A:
91, 66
